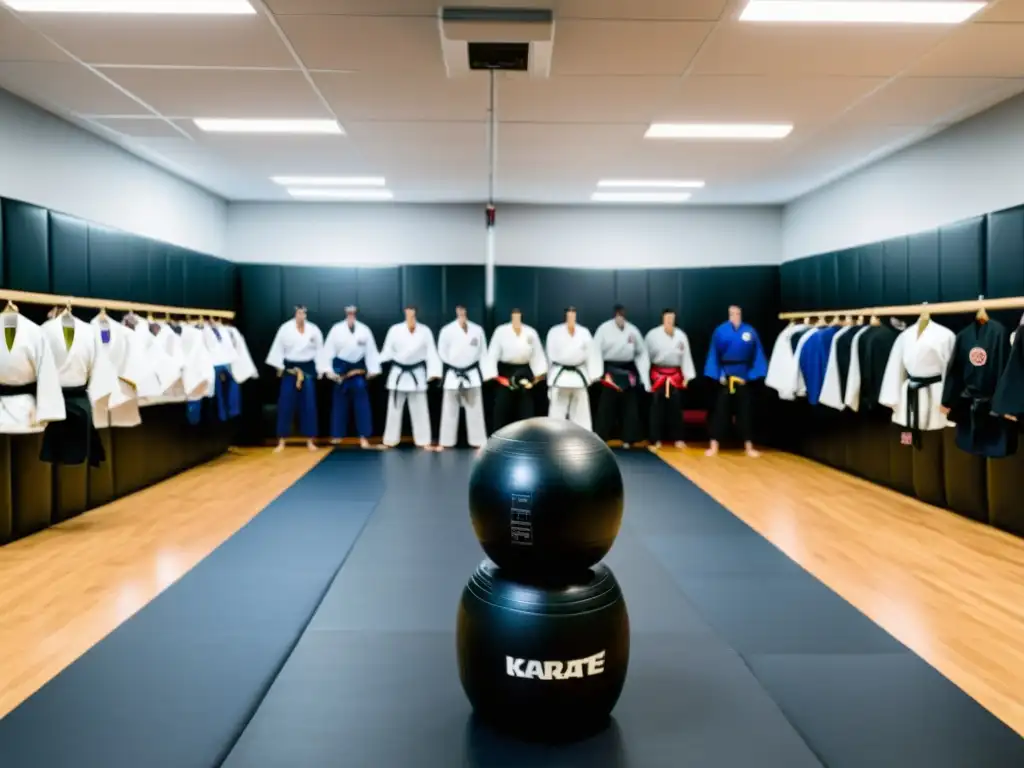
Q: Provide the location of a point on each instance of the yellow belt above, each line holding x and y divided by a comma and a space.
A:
733, 381
299, 375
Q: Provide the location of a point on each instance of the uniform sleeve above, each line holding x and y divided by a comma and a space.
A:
49, 395
1009, 397
831, 394
538, 358
853, 377
487, 369
434, 367
243, 368
895, 376
953, 379
387, 352
136, 368
325, 357
372, 356
759, 365
712, 366
275, 357
642, 360
494, 350
595, 360
689, 369
443, 343
776, 364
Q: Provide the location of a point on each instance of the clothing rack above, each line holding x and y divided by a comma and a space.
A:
51, 299
940, 308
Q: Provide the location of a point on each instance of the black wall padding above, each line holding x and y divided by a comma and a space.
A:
961, 261
49, 252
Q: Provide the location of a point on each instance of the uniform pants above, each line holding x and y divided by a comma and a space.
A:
572, 403
351, 393
726, 406
292, 401
419, 415
619, 413
666, 416
453, 402
511, 405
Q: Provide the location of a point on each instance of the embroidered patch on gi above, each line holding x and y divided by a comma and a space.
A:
746, 336
474, 342
978, 357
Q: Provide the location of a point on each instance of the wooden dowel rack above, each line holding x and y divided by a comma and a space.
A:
940, 308
55, 300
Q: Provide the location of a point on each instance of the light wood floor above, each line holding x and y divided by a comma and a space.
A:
950, 589
65, 589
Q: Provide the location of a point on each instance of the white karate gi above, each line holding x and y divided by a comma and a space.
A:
831, 387
851, 398
574, 363
466, 350
780, 364
29, 360
624, 345
123, 351
293, 346
925, 355
351, 345
409, 348
242, 367
524, 348
670, 352
198, 376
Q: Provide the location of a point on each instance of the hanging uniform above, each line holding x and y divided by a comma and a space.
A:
121, 349
783, 361
30, 393
199, 375
980, 354
170, 346
467, 366
912, 385
672, 369
75, 440
350, 353
414, 363
787, 379
516, 358
869, 357
164, 368
837, 371
814, 361
735, 356
1009, 395
294, 354
227, 392
574, 363
243, 368
625, 375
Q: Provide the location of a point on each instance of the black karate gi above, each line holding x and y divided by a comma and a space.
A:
512, 402
978, 361
1009, 395
618, 405
873, 350
75, 439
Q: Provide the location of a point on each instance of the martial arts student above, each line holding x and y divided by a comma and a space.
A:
462, 347
912, 385
30, 391
671, 370
294, 353
625, 372
517, 356
350, 359
574, 363
409, 347
735, 359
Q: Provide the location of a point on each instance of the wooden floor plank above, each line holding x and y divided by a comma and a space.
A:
950, 589
66, 588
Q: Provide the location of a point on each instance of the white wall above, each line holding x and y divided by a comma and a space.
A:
52, 163
970, 169
586, 236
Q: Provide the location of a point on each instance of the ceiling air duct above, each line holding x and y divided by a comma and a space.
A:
502, 39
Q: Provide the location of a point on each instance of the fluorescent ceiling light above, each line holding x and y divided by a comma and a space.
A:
178, 7
718, 131
329, 181
860, 11
640, 197
325, 193
228, 125
648, 184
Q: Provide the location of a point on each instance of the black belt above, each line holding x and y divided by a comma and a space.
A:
571, 368
462, 374
914, 386
408, 370
624, 374
12, 390
75, 391
514, 373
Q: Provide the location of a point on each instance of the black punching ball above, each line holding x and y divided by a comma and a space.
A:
543, 662
545, 497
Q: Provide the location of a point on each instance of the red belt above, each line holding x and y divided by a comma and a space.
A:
667, 378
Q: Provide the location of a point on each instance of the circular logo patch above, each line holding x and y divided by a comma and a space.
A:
978, 357
746, 336
631, 340
681, 347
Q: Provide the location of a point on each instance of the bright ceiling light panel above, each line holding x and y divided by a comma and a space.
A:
640, 197
328, 193
649, 184
860, 11
752, 131
230, 125
329, 181
176, 7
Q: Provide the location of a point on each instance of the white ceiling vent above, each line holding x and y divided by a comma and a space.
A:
506, 39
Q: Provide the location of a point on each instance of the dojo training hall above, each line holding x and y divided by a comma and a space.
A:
776, 251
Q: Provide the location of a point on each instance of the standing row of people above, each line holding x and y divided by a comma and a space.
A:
571, 359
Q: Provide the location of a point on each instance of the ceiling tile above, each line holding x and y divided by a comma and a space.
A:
285, 155
764, 99
70, 87
222, 41
354, 7
222, 93
1003, 11
396, 96
138, 127
626, 47
810, 51
584, 99
691, 10
977, 50
366, 43
19, 43
930, 100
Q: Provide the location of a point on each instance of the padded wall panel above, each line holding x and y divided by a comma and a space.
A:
964, 477
789, 295
174, 281
929, 468
895, 285
337, 290
1005, 485
464, 284
31, 486
828, 276
300, 286
101, 478
70, 492
1004, 254
663, 292
69, 255
6, 496
848, 279
422, 286
591, 291
109, 253
901, 461
379, 296
923, 267
631, 292
871, 284
26, 243
517, 288
962, 260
